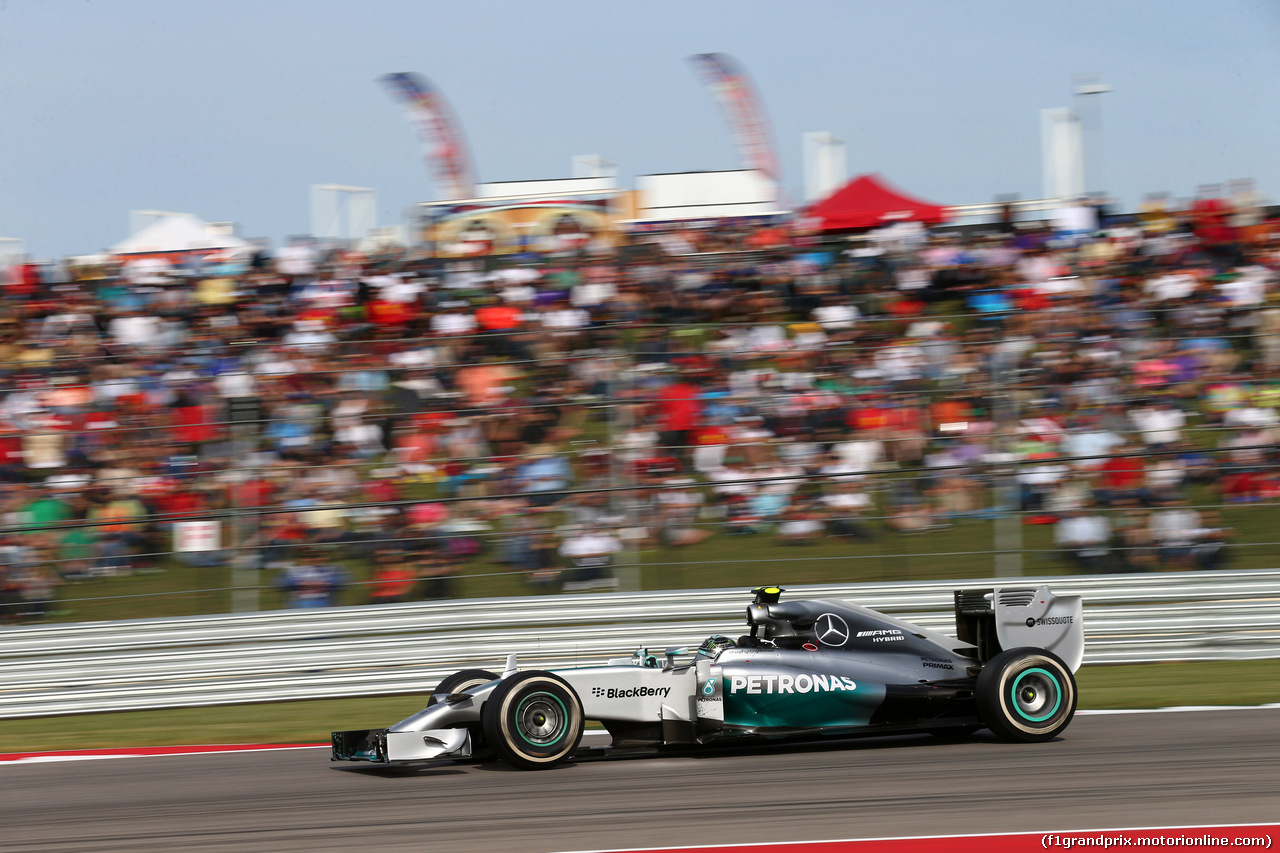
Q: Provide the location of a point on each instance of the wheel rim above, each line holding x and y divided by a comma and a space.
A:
1037, 695
540, 719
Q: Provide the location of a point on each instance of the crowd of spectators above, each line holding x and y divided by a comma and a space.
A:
391, 415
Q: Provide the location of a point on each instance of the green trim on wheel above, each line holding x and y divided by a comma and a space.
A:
1057, 697
560, 723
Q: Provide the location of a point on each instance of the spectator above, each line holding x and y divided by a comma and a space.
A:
859, 453
122, 536
1212, 542
1087, 445
1085, 537
394, 578
544, 567
909, 511
844, 503
1132, 541
36, 583
1121, 477
313, 580
1159, 423
678, 409
800, 524
27, 580
438, 570
1155, 329
679, 504
589, 554
1038, 479
543, 476
1174, 529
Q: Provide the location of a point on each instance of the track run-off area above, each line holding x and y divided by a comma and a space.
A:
1196, 774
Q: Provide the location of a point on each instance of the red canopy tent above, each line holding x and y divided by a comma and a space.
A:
868, 202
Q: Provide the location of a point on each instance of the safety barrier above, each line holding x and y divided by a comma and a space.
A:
48, 670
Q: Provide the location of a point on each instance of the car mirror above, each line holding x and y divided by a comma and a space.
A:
671, 655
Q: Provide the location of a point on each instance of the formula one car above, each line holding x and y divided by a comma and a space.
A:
807, 668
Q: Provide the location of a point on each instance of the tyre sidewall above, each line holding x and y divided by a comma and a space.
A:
501, 727
995, 695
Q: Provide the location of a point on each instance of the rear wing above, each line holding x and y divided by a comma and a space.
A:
1015, 617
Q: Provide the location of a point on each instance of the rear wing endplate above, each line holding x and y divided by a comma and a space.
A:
1016, 617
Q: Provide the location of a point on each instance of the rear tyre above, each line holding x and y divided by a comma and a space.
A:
533, 720
457, 683
1026, 695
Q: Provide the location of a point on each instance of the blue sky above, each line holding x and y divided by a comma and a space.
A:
231, 110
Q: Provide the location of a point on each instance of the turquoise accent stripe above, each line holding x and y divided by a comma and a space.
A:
804, 710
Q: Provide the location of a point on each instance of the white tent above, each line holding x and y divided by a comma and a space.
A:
180, 233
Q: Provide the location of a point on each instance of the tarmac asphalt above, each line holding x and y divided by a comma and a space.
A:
1104, 772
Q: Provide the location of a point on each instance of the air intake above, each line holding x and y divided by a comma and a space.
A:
1017, 597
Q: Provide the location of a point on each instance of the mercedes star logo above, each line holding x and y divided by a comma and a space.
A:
831, 630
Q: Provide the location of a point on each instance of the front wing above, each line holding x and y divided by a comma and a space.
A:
383, 746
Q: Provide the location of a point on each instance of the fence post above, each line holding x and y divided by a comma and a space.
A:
1007, 542
245, 415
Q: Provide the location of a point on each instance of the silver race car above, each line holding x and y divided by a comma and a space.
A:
807, 668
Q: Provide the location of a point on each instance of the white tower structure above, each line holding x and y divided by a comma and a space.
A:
12, 250
1089, 110
1063, 148
342, 213
824, 165
593, 166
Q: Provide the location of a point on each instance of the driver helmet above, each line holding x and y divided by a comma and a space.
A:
713, 645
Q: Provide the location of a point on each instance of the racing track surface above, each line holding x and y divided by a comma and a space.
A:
1106, 771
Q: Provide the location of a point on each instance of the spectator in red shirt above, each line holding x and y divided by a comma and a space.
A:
503, 324
257, 491
193, 422
394, 578
177, 501
1121, 477
869, 414
679, 407
11, 467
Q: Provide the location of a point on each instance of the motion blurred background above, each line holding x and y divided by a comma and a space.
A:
893, 306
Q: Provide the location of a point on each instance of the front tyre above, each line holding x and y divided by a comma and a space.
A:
533, 720
1026, 695
460, 682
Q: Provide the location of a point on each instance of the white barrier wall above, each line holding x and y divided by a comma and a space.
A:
48, 670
